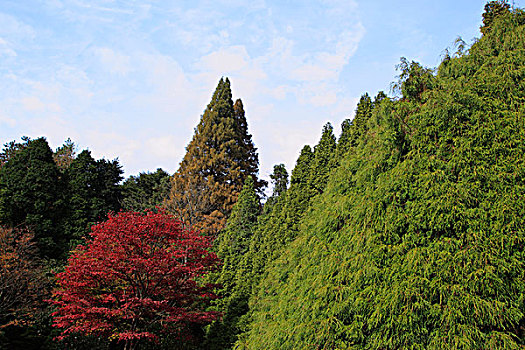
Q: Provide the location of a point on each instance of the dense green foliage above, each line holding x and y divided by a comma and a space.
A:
145, 191
417, 240
275, 228
32, 194
93, 192
232, 244
279, 179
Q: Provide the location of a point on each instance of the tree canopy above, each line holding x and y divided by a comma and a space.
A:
135, 279
416, 241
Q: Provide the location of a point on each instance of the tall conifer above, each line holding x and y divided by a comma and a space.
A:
218, 160
280, 183
324, 152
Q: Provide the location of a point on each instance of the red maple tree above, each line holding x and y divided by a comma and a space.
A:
135, 279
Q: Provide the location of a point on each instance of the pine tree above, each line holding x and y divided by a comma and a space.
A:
65, 154
218, 160
31, 194
11, 148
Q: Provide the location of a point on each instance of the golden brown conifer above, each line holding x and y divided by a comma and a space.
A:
218, 159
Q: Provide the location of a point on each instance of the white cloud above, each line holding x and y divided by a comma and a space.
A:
4, 119
6, 49
140, 70
35, 104
14, 29
116, 63
111, 145
166, 147
228, 59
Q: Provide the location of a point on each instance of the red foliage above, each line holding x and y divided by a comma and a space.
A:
135, 279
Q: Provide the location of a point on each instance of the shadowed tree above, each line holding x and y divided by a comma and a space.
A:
32, 195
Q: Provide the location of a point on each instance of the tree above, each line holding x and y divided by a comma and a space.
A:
32, 195
418, 246
277, 227
145, 191
352, 130
93, 192
218, 160
65, 155
135, 279
22, 281
280, 183
493, 9
322, 163
232, 244
11, 148
413, 80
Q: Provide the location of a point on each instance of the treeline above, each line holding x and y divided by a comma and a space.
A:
406, 231
48, 203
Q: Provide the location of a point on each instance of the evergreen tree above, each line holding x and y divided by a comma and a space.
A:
413, 81
352, 130
145, 191
279, 227
31, 194
232, 244
279, 179
65, 154
219, 158
11, 148
324, 154
493, 9
93, 192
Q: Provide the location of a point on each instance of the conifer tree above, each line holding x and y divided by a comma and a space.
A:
279, 227
324, 153
352, 130
218, 159
65, 154
279, 179
93, 192
232, 244
11, 148
31, 195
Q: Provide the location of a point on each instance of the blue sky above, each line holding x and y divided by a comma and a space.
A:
130, 79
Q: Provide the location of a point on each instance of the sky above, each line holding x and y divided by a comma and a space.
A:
131, 79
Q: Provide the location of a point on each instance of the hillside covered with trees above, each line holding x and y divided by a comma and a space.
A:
406, 231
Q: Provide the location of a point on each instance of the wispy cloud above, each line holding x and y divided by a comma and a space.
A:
131, 79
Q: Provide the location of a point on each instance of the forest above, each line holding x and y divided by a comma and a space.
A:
406, 231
